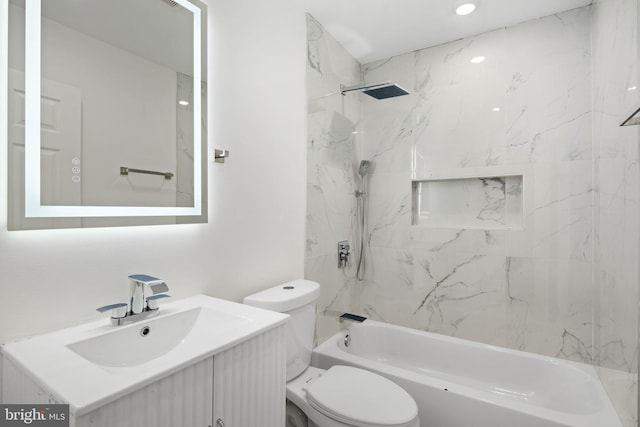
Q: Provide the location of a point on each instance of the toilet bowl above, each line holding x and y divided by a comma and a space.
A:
295, 416
345, 396
340, 396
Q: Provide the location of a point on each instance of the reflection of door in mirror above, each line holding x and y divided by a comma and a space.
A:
60, 151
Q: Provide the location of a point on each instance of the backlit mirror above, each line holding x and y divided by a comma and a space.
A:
104, 127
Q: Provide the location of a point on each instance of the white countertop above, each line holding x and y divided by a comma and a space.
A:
85, 385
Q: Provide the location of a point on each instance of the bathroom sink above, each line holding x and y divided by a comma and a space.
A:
97, 362
143, 341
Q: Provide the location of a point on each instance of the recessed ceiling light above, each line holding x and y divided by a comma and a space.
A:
465, 9
496, 109
632, 88
478, 59
183, 103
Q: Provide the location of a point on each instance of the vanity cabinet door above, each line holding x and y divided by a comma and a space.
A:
249, 383
182, 399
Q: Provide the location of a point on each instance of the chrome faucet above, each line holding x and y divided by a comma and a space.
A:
143, 300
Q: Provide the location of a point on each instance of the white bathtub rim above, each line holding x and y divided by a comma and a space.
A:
597, 419
604, 416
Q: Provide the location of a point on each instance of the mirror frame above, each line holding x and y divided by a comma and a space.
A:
33, 206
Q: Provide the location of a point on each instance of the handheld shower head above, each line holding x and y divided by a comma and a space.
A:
364, 167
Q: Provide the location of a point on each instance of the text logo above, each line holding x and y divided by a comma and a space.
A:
34, 415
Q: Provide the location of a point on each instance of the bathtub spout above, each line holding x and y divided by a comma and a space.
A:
352, 317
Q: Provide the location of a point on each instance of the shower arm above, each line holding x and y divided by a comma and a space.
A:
344, 89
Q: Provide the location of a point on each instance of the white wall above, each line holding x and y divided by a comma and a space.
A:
255, 236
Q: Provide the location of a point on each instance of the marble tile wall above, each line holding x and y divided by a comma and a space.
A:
525, 110
544, 105
332, 164
615, 70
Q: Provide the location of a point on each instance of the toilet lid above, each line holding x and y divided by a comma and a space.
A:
361, 398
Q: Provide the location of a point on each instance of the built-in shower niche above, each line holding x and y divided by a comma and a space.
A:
479, 202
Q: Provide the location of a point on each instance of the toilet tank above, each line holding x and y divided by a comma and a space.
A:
297, 299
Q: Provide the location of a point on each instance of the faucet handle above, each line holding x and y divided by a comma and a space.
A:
118, 310
152, 301
158, 287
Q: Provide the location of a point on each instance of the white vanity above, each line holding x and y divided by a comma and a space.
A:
201, 362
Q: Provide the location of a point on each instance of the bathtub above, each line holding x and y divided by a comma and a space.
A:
459, 383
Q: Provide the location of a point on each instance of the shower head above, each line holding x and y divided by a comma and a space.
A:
377, 91
364, 167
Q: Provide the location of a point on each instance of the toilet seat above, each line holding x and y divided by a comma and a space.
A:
361, 398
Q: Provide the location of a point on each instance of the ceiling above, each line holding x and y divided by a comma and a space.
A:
375, 29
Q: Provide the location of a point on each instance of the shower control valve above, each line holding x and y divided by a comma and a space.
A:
343, 253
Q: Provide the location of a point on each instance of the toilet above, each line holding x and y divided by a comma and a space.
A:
340, 396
